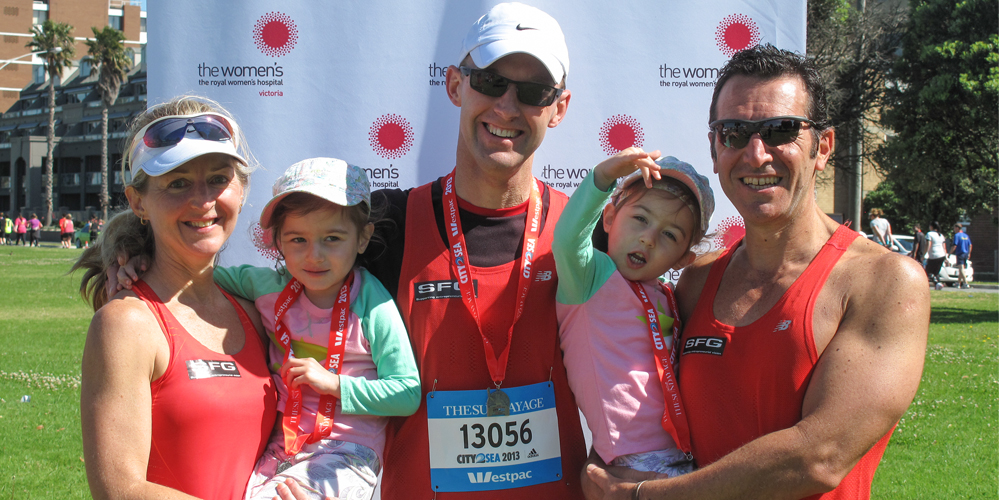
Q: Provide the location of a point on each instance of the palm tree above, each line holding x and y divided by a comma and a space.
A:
109, 57
55, 40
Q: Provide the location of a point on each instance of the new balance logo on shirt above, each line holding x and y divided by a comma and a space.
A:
783, 325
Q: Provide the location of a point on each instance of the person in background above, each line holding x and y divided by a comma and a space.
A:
34, 230
919, 250
6, 227
936, 253
881, 228
21, 230
961, 248
95, 228
66, 231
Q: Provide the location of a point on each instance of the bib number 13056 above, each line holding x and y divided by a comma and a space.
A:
470, 451
495, 434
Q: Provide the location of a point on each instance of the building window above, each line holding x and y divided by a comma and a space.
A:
69, 179
38, 74
84, 68
142, 25
38, 17
115, 22
117, 178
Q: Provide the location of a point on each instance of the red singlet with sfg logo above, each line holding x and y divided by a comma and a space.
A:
449, 348
212, 413
740, 383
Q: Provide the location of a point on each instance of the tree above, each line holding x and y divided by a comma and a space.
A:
944, 97
56, 41
894, 202
108, 57
854, 44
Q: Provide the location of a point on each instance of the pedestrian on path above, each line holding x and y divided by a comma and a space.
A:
961, 247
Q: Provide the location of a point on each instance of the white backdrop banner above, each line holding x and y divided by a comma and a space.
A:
364, 82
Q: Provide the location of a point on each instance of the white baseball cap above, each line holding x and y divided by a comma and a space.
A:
511, 28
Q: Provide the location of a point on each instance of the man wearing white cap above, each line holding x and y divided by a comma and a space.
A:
468, 260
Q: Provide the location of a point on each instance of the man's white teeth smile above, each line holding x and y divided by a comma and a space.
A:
201, 223
500, 132
761, 181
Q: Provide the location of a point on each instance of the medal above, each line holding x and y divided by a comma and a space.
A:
497, 403
283, 466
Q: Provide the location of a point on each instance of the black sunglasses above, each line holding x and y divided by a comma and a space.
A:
494, 85
773, 131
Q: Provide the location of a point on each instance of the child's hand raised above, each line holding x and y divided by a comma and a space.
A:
298, 371
625, 162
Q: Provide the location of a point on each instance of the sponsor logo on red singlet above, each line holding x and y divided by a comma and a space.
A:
440, 289
705, 345
207, 368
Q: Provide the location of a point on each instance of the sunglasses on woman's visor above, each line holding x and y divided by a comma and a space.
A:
494, 85
773, 131
169, 130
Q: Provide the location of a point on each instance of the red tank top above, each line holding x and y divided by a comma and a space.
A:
449, 350
740, 383
212, 412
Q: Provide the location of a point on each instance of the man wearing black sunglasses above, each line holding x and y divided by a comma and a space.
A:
804, 343
468, 260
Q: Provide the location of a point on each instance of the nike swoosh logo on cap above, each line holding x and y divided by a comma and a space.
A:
522, 28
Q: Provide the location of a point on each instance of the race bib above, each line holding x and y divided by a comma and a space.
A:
470, 451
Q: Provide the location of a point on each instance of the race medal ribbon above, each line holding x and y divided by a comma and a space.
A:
665, 354
498, 403
333, 363
471, 451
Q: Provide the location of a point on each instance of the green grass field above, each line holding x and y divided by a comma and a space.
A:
944, 447
43, 324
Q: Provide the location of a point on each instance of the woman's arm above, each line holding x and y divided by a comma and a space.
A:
124, 352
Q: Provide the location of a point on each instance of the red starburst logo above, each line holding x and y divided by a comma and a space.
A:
391, 136
735, 33
275, 34
620, 132
729, 231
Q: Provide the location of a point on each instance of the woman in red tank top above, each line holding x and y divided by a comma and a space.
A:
176, 398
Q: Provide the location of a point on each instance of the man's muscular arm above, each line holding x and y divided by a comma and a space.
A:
864, 381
